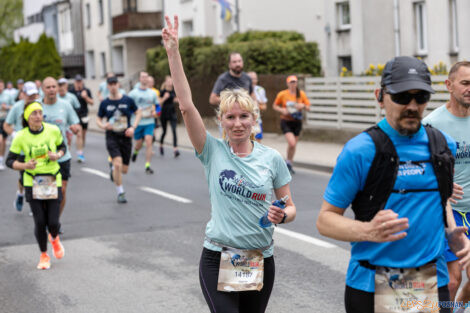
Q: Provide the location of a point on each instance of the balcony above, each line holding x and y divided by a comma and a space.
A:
137, 21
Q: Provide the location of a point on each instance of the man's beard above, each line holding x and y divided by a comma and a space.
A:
237, 70
462, 102
409, 131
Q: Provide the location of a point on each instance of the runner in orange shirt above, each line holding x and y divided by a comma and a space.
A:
291, 103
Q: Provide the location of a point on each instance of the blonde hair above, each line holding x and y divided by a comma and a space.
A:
229, 97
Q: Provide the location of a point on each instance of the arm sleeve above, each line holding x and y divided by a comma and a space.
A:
11, 158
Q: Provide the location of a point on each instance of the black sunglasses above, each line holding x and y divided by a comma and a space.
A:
405, 97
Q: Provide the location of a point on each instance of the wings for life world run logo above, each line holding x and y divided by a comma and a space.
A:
231, 182
463, 151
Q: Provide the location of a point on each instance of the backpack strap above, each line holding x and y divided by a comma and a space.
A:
443, 164
380, 179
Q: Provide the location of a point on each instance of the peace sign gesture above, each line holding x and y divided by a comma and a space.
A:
170, 34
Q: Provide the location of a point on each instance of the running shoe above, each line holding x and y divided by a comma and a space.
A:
177, 153
148, 170
57, 247
290, 168
30, 213
134, 157
121, 198
44, 262
80, 158
162, 152
19, 203
2, 167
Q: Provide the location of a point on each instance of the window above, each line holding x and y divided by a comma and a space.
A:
454, 30
90, 64
100, 10
346, 62
103, 64
129, 5
421, 29
87, 16
344, 17
187, 28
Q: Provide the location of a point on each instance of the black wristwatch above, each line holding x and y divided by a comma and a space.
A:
283, 219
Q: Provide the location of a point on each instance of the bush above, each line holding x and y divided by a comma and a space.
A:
30, 61
253, 35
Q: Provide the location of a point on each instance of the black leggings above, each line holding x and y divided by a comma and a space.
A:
233, 302
358, 301
173, 122
45, 213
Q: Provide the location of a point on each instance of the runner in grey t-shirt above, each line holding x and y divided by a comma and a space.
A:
232, 79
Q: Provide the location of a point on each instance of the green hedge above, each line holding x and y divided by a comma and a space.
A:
264, 52
253, 35
30, 61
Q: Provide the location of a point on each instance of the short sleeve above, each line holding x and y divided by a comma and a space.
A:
15, 146
262, 95
58, 136
75, 102
278, 100
72, 117
350, 172
132, 106
218, 86
89, 93
102, 109
155, 98
282, 176
205, 155
304, 98
10, 119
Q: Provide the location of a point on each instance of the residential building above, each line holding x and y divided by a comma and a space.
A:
60, 20
363, 32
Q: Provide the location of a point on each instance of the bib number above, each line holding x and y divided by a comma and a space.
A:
406, 290
120, 124
85, 119
240, 270
147, 112
45, 187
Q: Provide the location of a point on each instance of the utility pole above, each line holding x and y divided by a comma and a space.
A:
237, 16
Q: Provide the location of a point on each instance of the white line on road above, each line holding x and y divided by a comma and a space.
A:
165, 194
95, 172
305, 238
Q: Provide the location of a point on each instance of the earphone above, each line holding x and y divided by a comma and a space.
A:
380, 98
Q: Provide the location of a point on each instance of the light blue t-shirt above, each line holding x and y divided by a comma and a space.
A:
144, 98
241, 191
425, 240
5, 98
459, 129
71, 98
15, 116
63, 115
104, 91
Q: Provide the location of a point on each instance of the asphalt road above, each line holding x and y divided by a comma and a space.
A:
143, 256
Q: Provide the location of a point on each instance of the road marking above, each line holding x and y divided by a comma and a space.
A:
95, 172
165, 194
305, 238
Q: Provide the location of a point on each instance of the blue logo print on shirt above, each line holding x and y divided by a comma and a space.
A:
229, 181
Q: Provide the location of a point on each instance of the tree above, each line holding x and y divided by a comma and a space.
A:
11, 17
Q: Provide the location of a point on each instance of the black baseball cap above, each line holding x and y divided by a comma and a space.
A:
112, 79
78, 77
406, 73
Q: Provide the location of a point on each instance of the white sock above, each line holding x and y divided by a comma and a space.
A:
120, 189
18, 193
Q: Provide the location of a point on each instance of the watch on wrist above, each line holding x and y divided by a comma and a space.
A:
283, 219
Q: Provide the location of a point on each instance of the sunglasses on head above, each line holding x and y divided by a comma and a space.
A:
405, 97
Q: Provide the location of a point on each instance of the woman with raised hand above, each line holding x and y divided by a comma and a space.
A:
236, 270
42, 145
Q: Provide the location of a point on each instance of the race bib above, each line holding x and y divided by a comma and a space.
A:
147, 112
240, 270
120, 124
406, 290
84, 119
3, 114
45, 187
290, 105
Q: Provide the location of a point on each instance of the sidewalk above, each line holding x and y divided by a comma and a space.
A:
310, 154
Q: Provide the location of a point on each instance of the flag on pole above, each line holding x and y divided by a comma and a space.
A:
226, 11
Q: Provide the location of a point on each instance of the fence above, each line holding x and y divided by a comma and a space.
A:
349, 102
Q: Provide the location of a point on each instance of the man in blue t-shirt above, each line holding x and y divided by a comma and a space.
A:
118, 111
409, 231
454, 119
